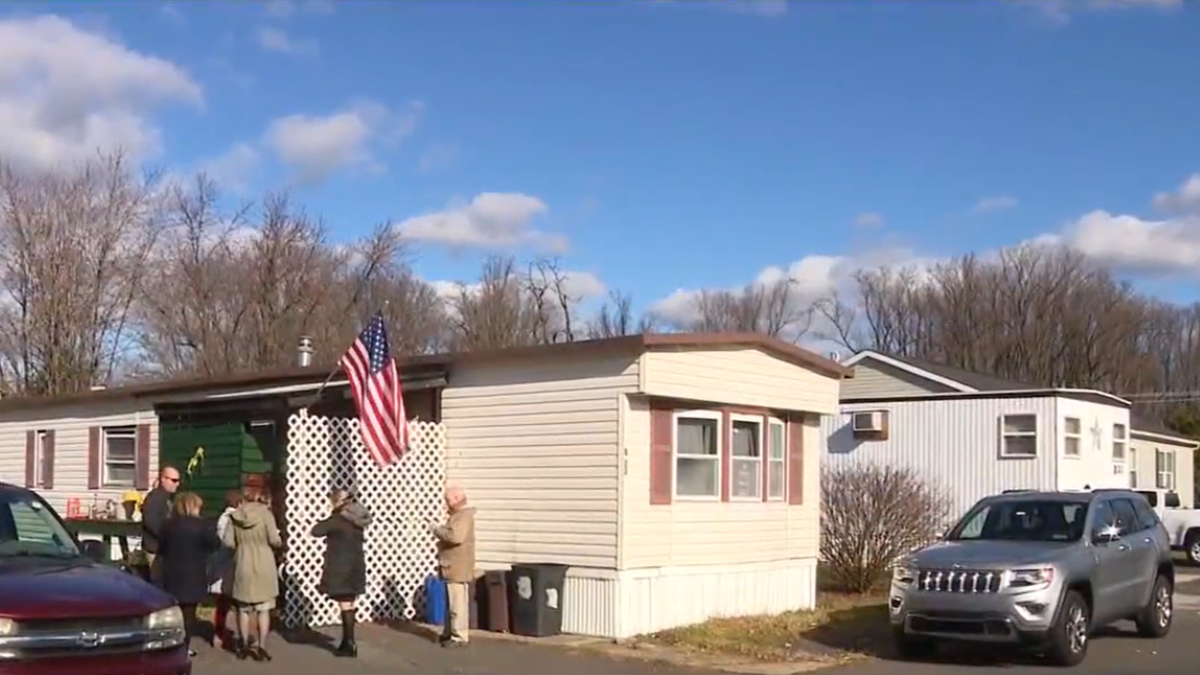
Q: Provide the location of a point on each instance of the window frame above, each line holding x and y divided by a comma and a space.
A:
119, 431
1131, 452
1159, 453
40, 436
1005, 434
758, 422
782, 461
1077, 437
1121, 442
708, 415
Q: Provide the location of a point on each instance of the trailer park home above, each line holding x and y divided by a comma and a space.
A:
677, 475
978, 435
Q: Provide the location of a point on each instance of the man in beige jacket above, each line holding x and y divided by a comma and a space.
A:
456, 560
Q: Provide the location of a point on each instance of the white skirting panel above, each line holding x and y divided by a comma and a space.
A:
607, 603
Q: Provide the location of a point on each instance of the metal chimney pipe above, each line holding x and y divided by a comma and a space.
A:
304, 352
836, 357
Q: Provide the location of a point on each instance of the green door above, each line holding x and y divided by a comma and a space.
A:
214, 471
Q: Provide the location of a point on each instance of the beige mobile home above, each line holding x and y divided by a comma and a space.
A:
677, 475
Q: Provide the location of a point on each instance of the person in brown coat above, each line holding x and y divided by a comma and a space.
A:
456, 560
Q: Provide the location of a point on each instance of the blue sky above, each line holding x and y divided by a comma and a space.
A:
660, 147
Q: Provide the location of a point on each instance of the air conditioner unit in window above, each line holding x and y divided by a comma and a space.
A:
868, 421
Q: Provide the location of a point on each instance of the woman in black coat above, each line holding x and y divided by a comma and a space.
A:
344, 577
186, 543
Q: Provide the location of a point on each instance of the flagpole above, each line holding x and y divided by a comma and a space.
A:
336, 368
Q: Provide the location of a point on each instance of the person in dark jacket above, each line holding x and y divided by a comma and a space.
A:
344, 577
184, 547
156, 508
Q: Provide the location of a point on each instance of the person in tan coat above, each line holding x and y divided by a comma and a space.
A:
456, 560
254, 536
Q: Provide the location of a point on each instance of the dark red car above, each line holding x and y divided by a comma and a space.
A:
61, 613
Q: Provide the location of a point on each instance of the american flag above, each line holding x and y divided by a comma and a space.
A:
375, 384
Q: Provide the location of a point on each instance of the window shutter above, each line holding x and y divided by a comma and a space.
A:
795, 460
93, 459
662, 456
48, 461
726, 454
764, 454
30, 459
142, 457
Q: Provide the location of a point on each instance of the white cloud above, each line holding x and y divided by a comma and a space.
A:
490, 220
1061, 11
769, 8
66, 92
815, 276
276, 40
438, 156
315, 146
171, 12
1133, 245
1185, 199
234, 169
989, 205
869, 219
286, 9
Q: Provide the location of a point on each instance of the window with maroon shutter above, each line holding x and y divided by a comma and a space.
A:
142, 457
662, 459
746, 457
93, 456
46, 480
31, 458
776, 464
700, 465
795, 465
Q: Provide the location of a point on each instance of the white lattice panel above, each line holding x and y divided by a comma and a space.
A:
325, 453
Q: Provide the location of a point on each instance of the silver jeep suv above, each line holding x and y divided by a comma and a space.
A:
1042, 569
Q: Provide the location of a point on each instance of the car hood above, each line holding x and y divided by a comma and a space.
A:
988, 554
73, 589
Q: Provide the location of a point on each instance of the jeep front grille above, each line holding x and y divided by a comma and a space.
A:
959, 581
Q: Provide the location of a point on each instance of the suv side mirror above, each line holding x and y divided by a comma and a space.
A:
93, 550
1105, 536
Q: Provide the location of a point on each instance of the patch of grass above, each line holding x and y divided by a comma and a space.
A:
840, 623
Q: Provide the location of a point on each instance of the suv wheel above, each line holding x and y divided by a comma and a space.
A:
1069, 636
1191, 546
1154, 621
911, 648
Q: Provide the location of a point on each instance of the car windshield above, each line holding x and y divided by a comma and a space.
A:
29, 528
1022, 520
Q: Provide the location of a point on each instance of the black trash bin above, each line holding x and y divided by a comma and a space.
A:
536, 598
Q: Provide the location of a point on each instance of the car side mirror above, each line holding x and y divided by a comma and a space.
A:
93, 550
1101, 537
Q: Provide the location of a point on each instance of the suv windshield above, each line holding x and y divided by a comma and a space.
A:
28, 527
1022, 520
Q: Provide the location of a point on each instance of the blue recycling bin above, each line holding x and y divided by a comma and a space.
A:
435, 601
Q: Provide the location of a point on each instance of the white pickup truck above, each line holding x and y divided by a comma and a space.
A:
1182, 524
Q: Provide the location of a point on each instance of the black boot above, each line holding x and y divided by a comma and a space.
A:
348, 648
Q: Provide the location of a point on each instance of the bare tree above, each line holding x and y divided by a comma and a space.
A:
775, 309
870, 516
495, 313
615, 319
235, 290
74, 248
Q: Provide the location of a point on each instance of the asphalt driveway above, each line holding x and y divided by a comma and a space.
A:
387, 651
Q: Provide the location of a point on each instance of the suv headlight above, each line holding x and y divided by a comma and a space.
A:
903, 575
7, 627
171, 617
1031, 578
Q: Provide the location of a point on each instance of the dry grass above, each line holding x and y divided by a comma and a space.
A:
841, 623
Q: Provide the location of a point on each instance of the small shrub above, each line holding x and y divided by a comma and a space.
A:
870, 516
